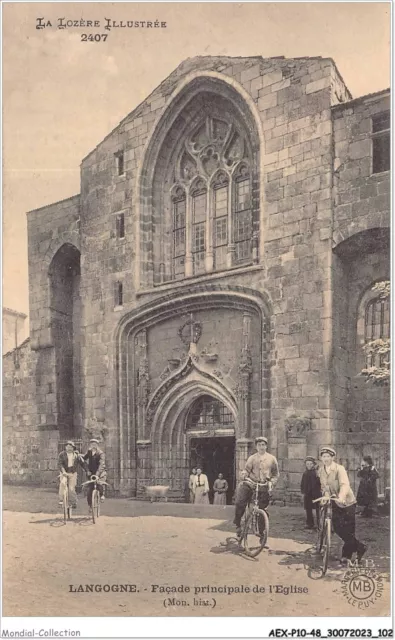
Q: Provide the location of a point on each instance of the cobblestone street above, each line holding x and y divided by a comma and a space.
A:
168, 545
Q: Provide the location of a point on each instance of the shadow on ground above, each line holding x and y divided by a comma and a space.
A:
285, 522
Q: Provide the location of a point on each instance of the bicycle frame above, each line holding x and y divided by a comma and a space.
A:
325, 530
256, 523
95, 480
67, 508
326, 511
255, 486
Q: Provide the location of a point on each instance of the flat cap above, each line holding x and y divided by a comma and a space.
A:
261, 439
329, 450
70, 442
309, 459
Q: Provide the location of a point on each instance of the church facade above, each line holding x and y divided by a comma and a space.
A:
212, 282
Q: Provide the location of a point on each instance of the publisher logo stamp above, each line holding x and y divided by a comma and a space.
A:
361, 585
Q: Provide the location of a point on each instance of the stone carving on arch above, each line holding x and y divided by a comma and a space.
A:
190, 370
206, 373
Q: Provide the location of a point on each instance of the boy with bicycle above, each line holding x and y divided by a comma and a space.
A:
95, 465
260, 467
334, 482
69, 459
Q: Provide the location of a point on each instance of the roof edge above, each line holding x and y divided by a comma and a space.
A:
15, 313
134, 112
52, 204
377, 94
23, 344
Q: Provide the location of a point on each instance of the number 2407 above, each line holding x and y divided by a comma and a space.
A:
98, 37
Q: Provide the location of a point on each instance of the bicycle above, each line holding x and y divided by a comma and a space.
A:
67, 507
95, 496
255, 524
325, 530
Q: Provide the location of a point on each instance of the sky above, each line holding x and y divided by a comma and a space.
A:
62, 96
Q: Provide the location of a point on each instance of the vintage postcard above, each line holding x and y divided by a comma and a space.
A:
196, 319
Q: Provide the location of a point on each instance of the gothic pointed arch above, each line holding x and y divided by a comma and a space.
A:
208, 129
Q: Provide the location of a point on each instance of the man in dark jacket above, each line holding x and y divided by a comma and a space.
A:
69, 459
311, 489
95, 465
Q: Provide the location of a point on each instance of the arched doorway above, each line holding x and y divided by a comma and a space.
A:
65, 307
210, 430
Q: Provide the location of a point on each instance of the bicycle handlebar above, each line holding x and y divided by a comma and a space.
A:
94, 479
326, 498
259, 484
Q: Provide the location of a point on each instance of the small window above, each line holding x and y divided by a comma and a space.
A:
120, 222
377, 327
119, 157
381, 142
118, 294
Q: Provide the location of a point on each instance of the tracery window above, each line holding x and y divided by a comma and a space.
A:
199, 214
377, 327
211, 200
242, 215
221, 198
208, 412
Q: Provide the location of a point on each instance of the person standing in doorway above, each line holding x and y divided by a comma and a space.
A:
334, 482
310, 487
201, 488
190, 485
220, 488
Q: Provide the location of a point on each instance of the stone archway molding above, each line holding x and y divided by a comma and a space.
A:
191, 85
209, 296
181, 394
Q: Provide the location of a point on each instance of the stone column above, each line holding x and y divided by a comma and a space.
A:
144, 466
245, 370
243, 449
143, 388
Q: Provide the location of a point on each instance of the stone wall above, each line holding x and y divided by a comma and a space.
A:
362, 257
361, 198
30, 446
290, 106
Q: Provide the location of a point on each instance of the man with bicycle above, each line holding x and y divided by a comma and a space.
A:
261, 467
335, 483
95, 465
69, 459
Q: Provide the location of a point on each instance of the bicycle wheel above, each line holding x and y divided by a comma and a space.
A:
95, 505
65, 503
326, 545
256, 532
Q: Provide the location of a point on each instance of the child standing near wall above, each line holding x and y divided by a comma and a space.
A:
367, 490
311, 490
